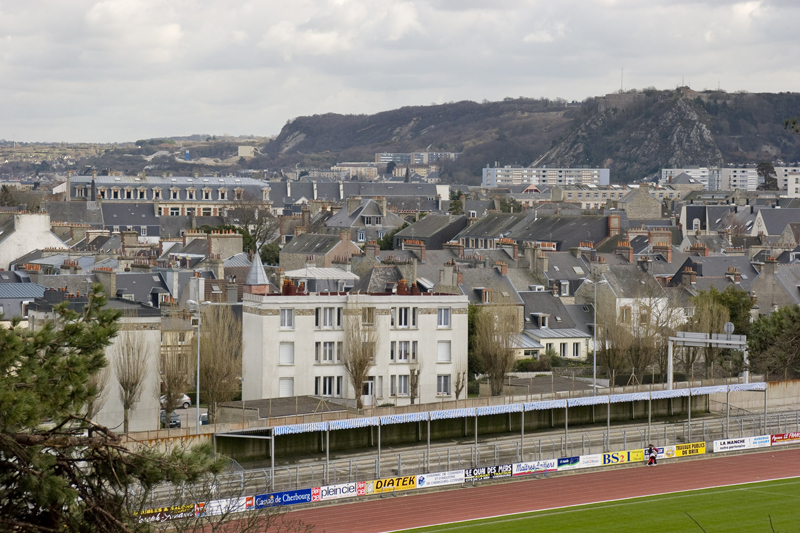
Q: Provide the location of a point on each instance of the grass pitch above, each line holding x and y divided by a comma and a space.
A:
738, 508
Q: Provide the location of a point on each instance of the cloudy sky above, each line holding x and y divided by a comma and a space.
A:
119, 70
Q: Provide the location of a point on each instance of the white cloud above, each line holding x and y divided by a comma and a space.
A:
123, 69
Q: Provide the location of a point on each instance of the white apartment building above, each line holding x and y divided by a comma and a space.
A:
738, 178
700, 174
293, 345
743, 178
789, 180
518, 175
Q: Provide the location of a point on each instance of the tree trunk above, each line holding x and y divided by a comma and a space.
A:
125, 421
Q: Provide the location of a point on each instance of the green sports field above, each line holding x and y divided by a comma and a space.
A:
739, 508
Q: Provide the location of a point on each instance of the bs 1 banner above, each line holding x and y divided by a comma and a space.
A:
785, 438
438, 479
487, 472
694, 448
618, 458
290, 497
392, 484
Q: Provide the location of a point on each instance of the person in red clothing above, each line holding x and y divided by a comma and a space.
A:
652, 453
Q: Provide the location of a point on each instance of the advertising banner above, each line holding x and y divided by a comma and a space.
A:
589, 461
335, 492
163, 514
487, 472
534, 467
569, 463
618, 458
289, 497
224, 506
392, 484
785, 438
438, 479
694, 448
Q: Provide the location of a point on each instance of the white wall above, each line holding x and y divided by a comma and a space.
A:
31, 232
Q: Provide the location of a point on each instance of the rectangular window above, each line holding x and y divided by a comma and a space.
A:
317, 351
174, 211
443, 352
206, 195
393, 319
402, 317
143, 231
576, 349
443, 385
327, 386
317, 381
327, 317
327, 352
287, 318
368, 316
190, 195
392, 346
393, 386
563, 349
402, 350
402, 385
339, 350
413, 317
222, 195
414, 350
338, 317
286, 387
444, 317
338, 385
379, 387
287, 353
174, 195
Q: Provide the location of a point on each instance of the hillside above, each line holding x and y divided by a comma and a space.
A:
635, 134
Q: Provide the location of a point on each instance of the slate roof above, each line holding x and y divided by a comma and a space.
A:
545, 302
103, 243
776, 220
488, 278
75, 212
493, 225
256, 274
789, 277
73, 282
130, 214
566, 232
20, 290
429, 225
368, 207
717, 267
171, 227
379, 279
628, 281
310, 243
141, 284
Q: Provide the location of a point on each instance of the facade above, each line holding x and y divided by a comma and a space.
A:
789, 180
22, 233
293, 345
744, 178
517, 175
367, 171
702, 174
415, 158
172, 196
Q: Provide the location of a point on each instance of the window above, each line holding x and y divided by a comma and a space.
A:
444, 317
156, 194
206, 194
338, 385
402, 350
576, 349
222, 194
368, 316
287, 353
381, 234
190, 194
563, 349
548, 347
142, 194
339, 350
393, 386
327, 386
414, 350
287, 318
443, 385
174, 194
317, 351
326, 317
115, 194
128, 194
327, 352
286, 387
402, 385
625, 315
443, 352
379, 386
174, 211
402, 317
362, 235
143, 231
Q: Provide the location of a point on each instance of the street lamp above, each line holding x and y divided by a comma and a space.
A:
197, 387
594, 331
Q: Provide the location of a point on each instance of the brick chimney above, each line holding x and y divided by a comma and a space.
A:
381, 201
455, 246
502, 268
344, 235
688, 277
539, 262
371, 250
509, 245
108, 278
770, 266
625, 249
700, 249
417, 247
402, 288
665, 250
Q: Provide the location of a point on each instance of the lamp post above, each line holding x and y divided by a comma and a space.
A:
197, 386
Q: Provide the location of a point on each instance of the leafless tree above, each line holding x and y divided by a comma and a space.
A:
130, 366
614, 340
710, 317
96, 401
174, 372
251, 212
495, 329
360, 341
220, 356
414, 372
461, 379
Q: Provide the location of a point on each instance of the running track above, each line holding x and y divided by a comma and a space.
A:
376, 516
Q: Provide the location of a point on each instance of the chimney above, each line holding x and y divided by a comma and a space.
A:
625, 249
344, 235
341, 190
225, 243
770, 266
352, 203
665, 250
371, 250
613, 225
454, 246
539, 261
700, 249
305, 215
598, 266
402, 288
417, 247
510, 246
108, 278
576, 251
381, 201
460, 278
502, 268
733, 274
688, 277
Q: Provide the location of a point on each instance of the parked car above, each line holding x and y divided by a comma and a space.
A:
183, 402
174, 420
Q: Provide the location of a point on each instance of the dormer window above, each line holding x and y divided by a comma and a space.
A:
223, 193
206, 194
174, 194
190, 194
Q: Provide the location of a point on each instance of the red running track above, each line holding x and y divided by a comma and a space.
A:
482, 501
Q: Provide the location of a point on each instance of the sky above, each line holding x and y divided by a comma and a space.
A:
121, 70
